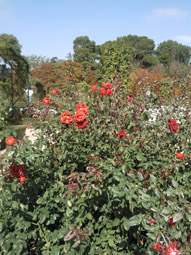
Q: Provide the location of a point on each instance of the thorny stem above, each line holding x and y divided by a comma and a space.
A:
41, 230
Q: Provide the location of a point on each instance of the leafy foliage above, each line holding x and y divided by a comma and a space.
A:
85, 52
169, 51
101, 190
12, 41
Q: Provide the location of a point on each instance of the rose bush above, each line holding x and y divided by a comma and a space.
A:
101, 177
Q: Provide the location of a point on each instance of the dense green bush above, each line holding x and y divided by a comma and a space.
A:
102, 180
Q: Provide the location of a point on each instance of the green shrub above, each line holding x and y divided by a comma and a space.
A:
114, 186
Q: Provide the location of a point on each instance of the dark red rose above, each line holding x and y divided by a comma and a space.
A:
17, 171
82, 124
173, 125
171, 223
122, 134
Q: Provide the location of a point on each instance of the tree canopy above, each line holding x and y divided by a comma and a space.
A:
85, 52
169, 51
12, 41
141, 49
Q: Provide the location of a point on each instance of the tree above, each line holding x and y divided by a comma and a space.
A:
170, 51
85, 52
142, 49
12, 41
115, 60
57, 73
45, 73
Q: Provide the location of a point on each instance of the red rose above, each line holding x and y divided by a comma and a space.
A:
103, 84
46, 100
22, 179
69, 78
163, 100
158, 246
10, 140
122, 134
82, 108
173, 125
94, 87
109, 91
108, 86
79, 116
57, 104
82, 124
130, 99
152, 220
179, 155
66, 118
172, 249
102, 91
17, 171
171, 223
53, 92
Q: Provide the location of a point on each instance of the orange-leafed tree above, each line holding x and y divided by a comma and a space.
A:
141, 79
61, 73
45, 73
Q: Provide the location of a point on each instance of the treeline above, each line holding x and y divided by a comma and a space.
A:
119, 58
127, 53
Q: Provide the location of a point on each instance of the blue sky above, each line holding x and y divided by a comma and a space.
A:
49, 27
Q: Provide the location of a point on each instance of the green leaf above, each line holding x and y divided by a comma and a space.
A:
133, 221
177, 217
69, 203
152, 236
175, 184
177, 235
